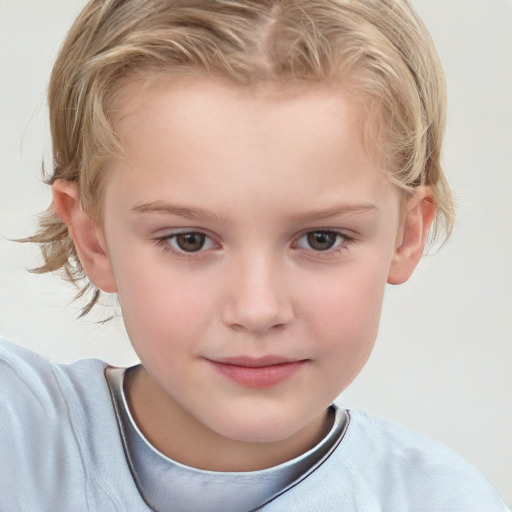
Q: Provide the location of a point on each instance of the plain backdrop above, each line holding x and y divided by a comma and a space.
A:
443, 358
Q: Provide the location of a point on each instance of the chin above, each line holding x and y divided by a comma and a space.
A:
258, 428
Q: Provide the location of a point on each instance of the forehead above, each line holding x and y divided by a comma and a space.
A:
232, 109
207, 141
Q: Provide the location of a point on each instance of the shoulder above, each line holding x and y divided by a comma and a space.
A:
383, 467
37, 386
43, 407
402, 467
58, 434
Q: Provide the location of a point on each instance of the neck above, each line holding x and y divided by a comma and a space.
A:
194, 444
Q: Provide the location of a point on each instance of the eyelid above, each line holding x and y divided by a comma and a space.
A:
165, 241
165, 234
345, 240
213, 243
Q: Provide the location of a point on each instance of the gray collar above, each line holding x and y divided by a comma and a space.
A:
167, 485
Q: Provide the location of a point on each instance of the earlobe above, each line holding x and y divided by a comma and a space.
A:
418, 217
87, 236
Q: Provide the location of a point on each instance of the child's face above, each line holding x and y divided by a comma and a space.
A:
249, 228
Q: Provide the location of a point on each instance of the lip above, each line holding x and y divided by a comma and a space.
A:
263, 372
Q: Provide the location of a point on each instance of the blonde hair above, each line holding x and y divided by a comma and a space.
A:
380, 47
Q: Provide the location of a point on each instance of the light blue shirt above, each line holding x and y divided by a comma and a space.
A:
61, 451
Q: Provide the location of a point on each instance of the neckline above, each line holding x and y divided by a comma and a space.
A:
167, 485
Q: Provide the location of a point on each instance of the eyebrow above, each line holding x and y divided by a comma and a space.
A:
335, 211
195, 213
178, 210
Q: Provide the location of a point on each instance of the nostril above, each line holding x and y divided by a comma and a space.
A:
242, 317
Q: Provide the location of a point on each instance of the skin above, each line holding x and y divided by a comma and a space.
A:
255, 171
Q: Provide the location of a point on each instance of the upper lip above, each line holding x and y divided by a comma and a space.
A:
256, 362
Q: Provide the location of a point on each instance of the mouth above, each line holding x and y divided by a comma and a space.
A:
262, 372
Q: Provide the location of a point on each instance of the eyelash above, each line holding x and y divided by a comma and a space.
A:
340, 244
166, 242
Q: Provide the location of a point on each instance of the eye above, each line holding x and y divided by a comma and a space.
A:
189, 242
321, 240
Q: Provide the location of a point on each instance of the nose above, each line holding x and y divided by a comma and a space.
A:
257, 298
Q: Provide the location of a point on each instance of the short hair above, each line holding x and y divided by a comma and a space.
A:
380, 49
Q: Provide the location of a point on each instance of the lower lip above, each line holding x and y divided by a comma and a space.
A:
259, 377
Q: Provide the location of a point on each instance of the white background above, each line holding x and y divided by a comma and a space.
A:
442, 364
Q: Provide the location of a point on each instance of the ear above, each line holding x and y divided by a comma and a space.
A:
418, 216
87, 236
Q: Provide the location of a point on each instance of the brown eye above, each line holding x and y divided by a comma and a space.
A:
322, 240
190, 242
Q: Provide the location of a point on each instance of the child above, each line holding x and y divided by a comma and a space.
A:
246, 177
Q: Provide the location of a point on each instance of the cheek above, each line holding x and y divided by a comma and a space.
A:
160, 306
345, 311
346, 340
